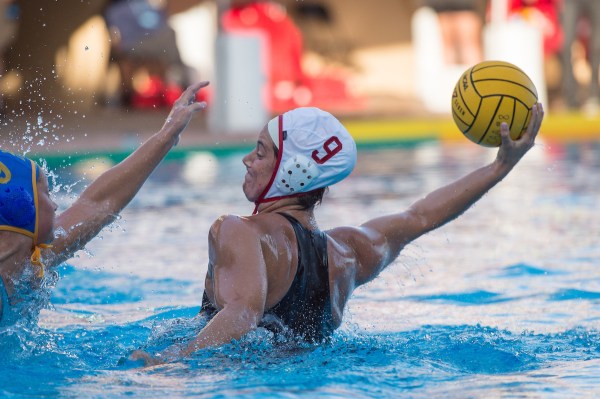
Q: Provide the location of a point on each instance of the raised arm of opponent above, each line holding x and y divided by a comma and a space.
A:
101, 201
379, 241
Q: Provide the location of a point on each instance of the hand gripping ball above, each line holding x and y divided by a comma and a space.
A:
489, 93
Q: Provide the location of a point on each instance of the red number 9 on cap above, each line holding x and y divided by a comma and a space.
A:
332, 146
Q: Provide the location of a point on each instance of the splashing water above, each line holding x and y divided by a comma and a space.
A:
483, 307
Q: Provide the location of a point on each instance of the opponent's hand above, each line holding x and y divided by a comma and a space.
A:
511, 151
183, 109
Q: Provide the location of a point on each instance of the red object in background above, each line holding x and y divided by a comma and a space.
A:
154, 93
331, 93
288, 87
204, 95
544, 14
284, 39
149, 95
170, 94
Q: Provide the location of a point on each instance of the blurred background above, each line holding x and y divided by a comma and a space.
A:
111, 62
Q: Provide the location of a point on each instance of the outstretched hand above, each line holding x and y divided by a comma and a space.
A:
511, 151
183, 109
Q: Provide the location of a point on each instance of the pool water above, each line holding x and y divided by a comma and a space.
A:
502, 302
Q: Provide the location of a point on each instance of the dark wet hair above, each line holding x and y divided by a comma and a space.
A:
312, 198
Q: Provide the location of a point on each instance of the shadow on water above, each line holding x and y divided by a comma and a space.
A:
526, 270
478, 297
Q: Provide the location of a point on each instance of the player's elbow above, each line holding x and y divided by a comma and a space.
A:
246, 318
250, 319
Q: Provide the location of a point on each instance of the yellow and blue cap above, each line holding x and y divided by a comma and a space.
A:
19, 198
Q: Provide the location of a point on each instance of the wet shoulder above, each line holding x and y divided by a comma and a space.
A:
230, 227
272, 232
247, 227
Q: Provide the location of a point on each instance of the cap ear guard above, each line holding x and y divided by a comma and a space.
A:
17, 206
297, 175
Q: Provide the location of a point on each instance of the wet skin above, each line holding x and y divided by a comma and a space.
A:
252, 260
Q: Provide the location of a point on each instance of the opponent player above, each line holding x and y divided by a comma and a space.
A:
28, 246
276, 269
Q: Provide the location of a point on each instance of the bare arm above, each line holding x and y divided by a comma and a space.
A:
383, 238
239, 281
101, 202
240, 288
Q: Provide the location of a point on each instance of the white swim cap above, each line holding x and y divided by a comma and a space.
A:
315, 151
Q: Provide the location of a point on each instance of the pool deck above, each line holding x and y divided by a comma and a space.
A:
116, 130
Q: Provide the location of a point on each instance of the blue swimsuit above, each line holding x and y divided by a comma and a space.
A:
306, 308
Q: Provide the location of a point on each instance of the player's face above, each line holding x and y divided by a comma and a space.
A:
46, 211
260, 164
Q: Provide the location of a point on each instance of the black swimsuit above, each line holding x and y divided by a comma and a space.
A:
305, 310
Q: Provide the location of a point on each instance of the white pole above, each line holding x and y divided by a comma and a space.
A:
498, 11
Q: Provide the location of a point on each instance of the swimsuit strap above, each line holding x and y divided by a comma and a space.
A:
36, 258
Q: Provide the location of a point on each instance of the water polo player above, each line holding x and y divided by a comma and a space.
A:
276, 269
28, 247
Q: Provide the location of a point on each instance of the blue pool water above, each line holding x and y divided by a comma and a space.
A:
503, 302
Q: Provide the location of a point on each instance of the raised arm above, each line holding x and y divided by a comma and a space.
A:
383, 238
101, 201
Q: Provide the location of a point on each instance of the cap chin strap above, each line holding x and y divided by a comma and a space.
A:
36, 259
261, 197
